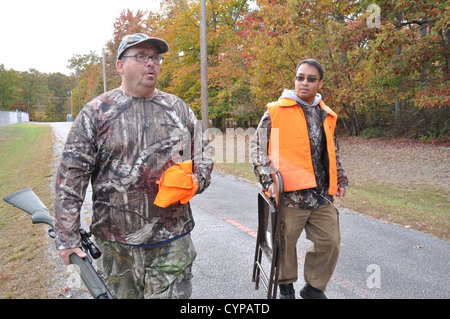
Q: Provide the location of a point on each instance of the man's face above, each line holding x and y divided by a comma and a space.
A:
305, 89
139, 79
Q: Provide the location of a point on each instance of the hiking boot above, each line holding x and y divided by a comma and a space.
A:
287, 291
309, 292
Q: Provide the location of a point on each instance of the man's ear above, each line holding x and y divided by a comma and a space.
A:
119, 66
321, 83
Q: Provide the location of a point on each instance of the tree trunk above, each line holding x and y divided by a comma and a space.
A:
398, 110
350, 111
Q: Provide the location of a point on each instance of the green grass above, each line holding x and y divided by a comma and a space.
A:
243, 170
421, 207
25, 161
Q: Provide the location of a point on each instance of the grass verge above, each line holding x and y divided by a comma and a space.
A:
421, 207
25, 161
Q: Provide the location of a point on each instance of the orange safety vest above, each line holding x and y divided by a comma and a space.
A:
289, 146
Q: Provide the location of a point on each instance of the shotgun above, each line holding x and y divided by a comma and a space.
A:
30, 203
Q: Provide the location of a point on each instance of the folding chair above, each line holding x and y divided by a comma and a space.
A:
268, 241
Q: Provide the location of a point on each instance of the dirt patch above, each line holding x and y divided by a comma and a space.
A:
398, 181
403, 162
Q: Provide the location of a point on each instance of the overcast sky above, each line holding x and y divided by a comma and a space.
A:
45, 34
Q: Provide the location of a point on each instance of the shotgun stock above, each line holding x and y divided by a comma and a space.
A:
28, 201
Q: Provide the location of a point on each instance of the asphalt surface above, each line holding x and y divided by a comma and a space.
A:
377, 260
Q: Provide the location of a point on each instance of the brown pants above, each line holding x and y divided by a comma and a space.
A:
322, 228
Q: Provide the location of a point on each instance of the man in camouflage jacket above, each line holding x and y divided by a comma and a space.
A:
122, 141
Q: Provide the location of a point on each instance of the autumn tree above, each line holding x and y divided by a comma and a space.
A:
411, 56
179, 24
35, 91
9, 87
43, 96
88, 70
369, 70
386, 64
127, 23
229, 71
59, 86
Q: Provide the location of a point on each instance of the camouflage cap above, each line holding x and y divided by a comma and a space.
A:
131, 40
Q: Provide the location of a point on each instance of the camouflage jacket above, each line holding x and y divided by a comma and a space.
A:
123, 145
306, 198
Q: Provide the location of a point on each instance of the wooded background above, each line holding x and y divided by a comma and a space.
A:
387, 65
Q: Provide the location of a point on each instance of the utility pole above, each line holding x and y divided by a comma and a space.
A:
79, 91
104, 70
204, 64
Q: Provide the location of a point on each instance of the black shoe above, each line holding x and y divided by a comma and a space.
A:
287, 291
309, 292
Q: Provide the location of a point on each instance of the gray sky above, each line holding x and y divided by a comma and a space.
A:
45, 34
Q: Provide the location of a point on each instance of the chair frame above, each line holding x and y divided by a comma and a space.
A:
269, 219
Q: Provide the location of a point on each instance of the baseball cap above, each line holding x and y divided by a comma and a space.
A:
131, 40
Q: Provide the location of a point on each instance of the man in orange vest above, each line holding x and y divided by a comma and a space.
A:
297, 136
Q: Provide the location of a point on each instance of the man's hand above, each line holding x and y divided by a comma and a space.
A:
195, 179
273, 192
65, 254
340, 192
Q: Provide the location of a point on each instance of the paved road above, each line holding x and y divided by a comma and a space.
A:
377, 260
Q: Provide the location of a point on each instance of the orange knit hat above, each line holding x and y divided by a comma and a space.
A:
176, 184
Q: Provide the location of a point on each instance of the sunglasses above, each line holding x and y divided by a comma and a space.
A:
302, 78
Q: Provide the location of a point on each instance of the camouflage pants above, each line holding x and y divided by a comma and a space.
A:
162, 272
